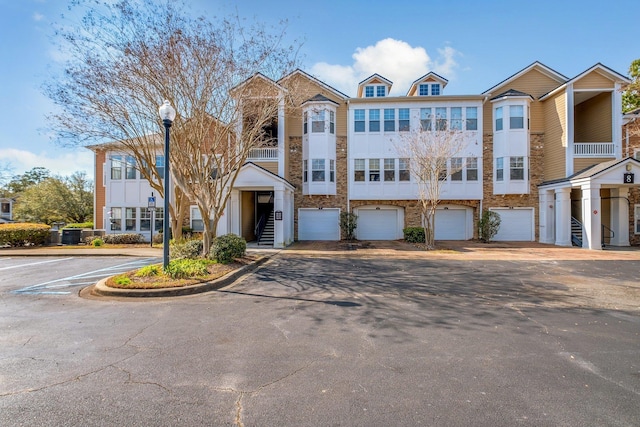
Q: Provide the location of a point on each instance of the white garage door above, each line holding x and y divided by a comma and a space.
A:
515, 225
319, 224
451, 224
377, 224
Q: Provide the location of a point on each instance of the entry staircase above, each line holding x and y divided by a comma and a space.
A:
576, 232
265, 237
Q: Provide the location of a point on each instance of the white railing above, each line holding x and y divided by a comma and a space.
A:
270, 153
593, 149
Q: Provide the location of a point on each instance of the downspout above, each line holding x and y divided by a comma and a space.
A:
348, 171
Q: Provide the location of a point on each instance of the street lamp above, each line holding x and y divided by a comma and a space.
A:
167, 114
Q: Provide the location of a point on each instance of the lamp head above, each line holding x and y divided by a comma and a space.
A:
167, 112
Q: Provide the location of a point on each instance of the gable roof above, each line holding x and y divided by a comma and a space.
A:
255, 76
414, 86
512, 93
373, 78
263, 173
600, 68
547, 71
593, 171
319, 98
315, 80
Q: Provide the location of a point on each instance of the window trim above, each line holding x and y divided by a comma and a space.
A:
373, 120
359, 122
359, 170
498, 119
374, 171
390, 120
318, 170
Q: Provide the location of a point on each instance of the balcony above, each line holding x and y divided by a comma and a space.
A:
593, 149
262, 154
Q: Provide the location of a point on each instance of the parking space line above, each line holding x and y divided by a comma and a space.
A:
35, 263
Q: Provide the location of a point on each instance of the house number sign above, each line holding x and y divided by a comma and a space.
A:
278, 215
628, 178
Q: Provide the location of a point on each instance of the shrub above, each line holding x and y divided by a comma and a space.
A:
225, 248
149, 271
97, 242
189, 249
80, 225
122, 280
157, 238
126, 238
488, 225
348, 224
187, 268
414, 234
22, 234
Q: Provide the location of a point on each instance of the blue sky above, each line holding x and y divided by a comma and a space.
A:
474, 44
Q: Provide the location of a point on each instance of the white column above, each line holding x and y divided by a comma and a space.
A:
278, 225
547, 217
281, 141
563, 216
616, 120
620, 216
234, 214
592, 216
570, 135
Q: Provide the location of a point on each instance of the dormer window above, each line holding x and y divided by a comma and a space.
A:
378, 91
381, 91
368, 92
423, 89
435, 89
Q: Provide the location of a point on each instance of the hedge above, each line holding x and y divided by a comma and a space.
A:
125, 238
225, 248
80, 225
23, 234
414, 234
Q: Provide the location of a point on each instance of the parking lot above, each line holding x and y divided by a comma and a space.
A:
333, 338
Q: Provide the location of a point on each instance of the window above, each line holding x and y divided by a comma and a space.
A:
317, 170
441, 118
332, 171
332, 122
317, 121
358, 120
498, 118
472, 118
374, 170
500, 169
197, 224
423, 89
456, 169
389, 120
389, 169
160, 165
425, 118
435, 89
374, 120
516, 117
6, 208
116, 219
456, 118
305, 117
381, 91
403, 119
130, 168
159, 219
358, 170
145, 219
116, 167
516, 168
472, 168
305, 170
130, 219
637, 219
368, 92
403, 166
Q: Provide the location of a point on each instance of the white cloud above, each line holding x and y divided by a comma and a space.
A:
62, 163
38, 17
393, 59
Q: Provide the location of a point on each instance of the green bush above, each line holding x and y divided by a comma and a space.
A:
228, 247
22, 234
80, 225
488, 225
126, 238
97, 242
187, 268
414, 234
189, 249
149, 271
122, 280
348, 225
157, 238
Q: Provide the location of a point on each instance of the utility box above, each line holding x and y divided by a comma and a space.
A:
71, 236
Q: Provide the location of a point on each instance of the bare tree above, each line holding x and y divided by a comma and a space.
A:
434, 155
129, 56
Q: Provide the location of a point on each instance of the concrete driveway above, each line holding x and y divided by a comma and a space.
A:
351, 338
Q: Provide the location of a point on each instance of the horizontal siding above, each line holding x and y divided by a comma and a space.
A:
593, 80
270, 166
555, 137
594, 119
580, 164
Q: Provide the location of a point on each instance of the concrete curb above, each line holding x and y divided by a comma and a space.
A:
101, 289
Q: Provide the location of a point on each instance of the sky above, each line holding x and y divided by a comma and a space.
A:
474, 44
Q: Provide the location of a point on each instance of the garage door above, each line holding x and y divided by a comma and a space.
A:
319, 224
377, 224
451, 224
515, 225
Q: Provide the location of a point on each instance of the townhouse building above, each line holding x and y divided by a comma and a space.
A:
552, 155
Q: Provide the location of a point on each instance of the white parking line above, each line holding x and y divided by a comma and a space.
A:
35, 263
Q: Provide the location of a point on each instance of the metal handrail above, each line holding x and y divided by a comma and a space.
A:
260, 226
611, 236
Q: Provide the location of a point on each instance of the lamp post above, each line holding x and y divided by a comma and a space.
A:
167, 114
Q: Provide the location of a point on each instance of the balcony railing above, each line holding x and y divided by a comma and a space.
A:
593, 149
270, 153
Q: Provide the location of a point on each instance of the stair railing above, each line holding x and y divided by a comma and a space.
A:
260, 226
575, 239
611, 235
